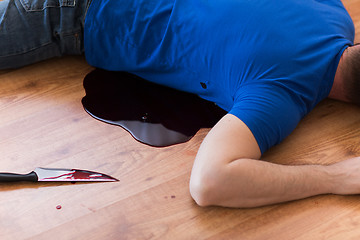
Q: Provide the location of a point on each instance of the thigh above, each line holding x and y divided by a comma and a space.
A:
35, 30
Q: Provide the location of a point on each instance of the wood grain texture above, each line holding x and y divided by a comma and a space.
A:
43, 124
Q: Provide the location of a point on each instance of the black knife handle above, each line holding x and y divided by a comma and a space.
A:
13, 177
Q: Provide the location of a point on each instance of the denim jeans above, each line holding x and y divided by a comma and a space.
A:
35, 30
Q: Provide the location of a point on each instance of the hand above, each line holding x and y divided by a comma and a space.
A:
346, 176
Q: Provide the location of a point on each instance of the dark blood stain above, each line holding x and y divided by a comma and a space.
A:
152, 114
203, 85
173, 196
81, 175
58, 207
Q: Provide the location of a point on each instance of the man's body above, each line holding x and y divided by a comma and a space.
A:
236, 179
292, 76
268, 71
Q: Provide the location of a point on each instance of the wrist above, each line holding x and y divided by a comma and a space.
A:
326, 178
336, 179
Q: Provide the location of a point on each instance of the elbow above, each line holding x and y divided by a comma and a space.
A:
206, 194
199, 194
212, 188
204, 191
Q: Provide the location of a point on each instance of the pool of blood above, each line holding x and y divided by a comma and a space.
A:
153, 114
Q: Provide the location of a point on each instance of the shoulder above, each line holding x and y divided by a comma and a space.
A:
270, 111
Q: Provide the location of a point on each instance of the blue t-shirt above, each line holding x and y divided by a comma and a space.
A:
268, 62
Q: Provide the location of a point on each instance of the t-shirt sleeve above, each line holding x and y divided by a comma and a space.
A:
271, 112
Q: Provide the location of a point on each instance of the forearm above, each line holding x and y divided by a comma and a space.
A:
251, 183
225, 174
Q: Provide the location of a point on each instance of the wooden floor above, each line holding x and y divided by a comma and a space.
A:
43, 124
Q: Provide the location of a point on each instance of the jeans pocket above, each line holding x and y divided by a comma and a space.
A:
39, 5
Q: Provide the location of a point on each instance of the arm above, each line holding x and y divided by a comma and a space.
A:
226, 172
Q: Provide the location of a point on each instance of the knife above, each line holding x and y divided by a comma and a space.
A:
57, 175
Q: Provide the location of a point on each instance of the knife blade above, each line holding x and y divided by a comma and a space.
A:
57, 175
